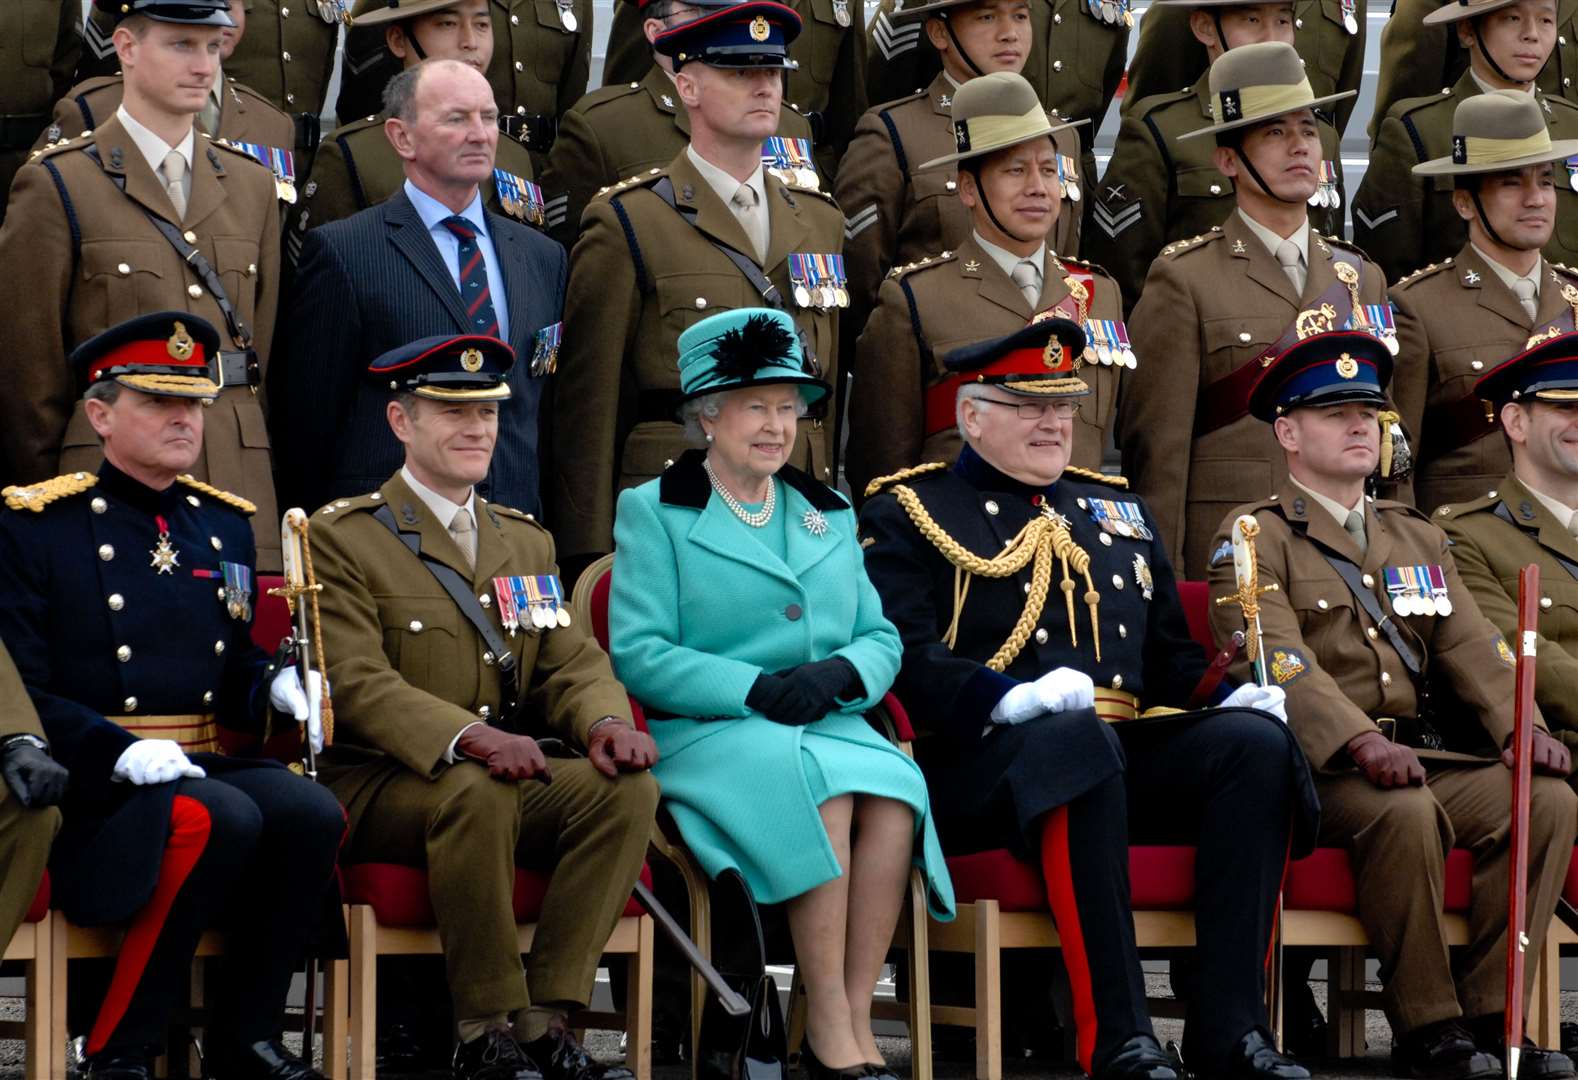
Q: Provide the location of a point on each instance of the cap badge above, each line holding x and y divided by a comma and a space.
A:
1232, 108
759, 28
1052, 354
961, 135
180, 346
1313, 321
471, 359
1347, 366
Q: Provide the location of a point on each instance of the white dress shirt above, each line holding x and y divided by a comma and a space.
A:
153, 149
432, 212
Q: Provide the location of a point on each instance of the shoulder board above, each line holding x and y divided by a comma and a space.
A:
345, 130
604, 94
243, 88
1565, 269
513, 514
1401, 507
1346, 245
337, 508
1558, 102
1423, 272
1487, 501
922, 263
93, 85
651, 176
805, 189
236, 502
1178, 247
1098, 477
907, 99
37, 496
1409, 106
1157, 102
76, 142
883, 482
1095, 268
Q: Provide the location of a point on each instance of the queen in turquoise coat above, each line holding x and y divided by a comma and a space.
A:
742, 618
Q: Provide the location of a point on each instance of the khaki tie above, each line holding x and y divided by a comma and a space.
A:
209, 116
1292, 264
465, 536
747, 210
174, 170
1028, 277
1523, 289
1355, 526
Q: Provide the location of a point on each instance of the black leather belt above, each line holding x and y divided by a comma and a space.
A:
658, 405
308, 131
19, 130
239, 368
1413, 731
534, 131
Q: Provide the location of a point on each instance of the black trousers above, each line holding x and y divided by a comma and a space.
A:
253, 852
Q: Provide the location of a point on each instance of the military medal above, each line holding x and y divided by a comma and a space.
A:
1142, 576
165, 557
1378, 320
840, 279
841, 12
1125, 348
1350, 21
545, 349
509, 614
332, 11
1068, 176
567, 17
1438, 589
281, 162
238, 590
1572, 172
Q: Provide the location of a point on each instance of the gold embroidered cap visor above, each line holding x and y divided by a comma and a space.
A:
994, 112
379, 12
1256, 83
1498, 131
170, 385
164, 353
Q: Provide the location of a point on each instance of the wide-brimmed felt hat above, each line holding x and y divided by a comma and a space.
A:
378, 12
910, 10
996, 111
166, 353
1498, 131
745, 347
1220, 3
1458, 10
455, 368
188, 12
1255, 83
1546, 372
1324, 369
751, 34
1039, 360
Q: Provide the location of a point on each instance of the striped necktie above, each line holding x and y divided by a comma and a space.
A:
474, 291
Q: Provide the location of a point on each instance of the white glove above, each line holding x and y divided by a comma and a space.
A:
1063, 688
1021, 703
286, 695
155, 761
1271, 699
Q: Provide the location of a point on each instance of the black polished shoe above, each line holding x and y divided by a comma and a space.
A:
118, 1066
1303, 1026
493, 1055
1141, 1058
230, 1059
560, 1057
1534, 1062
1256, 1057
815, 1070
880, 1072
1443, 1050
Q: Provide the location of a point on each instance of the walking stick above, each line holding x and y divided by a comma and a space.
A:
1522, 778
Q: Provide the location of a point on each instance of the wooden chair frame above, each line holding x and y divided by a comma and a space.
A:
33, 945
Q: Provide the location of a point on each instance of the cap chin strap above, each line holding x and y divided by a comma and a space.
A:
1221, 35
1479, 208
408, 28
1249, 166
1489, 59
974, 169
963, 55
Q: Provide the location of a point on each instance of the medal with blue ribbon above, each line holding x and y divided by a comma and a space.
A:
545, 349
282, 163
238, 590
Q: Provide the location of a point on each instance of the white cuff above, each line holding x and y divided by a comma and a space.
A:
449, 755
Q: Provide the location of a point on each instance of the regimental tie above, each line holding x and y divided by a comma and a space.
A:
474, 291
1354, 524
1292, 264
174, 170
1523, 289
1028, 277
465, 534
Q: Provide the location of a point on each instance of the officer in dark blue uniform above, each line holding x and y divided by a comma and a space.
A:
126, 600
1049, 666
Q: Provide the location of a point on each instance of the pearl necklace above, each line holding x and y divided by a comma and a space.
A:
756, 520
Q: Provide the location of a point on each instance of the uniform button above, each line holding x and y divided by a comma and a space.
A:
1370, 630
124, 269
220, 592
487, 659
1545, 601
415, 626
520, 110
219, 648
519, 66
208, 697
515, 20
285, 56
1106, 539
194, 291
1298, 24
701, 303
1123, 631
123, 653
1566, 81
1057, 65
1322, 604
1216, 189
1057, 20
215, 541
1117, 682
793, 613
129, 705
189, 236
1117, 581
1561, 39
1369, 581
991, 507
99, 505
484, 599
1476, 364
484, 712
252, 269
116, 601
1243, 336
1027, 588
290, 99
1041, 635
1386, 678
106, 552
952, 185
284, 12
192, 501
1080, 502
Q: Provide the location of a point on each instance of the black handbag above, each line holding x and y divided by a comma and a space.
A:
754, 1046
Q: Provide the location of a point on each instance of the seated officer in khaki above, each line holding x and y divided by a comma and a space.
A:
1217, 305
1528, 517
1003, 272
436, 760
1367, 601
32, 784
1470, 312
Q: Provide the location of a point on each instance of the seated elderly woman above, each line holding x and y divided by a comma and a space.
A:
741, 614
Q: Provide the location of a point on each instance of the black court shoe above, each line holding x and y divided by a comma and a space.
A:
815, 1070
1443, 1050
560, 1057
1256, 1057
1141, 1058
229, 1059
493, 1055
118, 1066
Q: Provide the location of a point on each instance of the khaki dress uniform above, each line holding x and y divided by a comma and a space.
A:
1343, 677
39, 45
1494, 537
639, 275
245, 116
828, 88
410, 673
927, 309
618, 132
1159, 190
83, 239
1404, 221
25, 834
1456, 321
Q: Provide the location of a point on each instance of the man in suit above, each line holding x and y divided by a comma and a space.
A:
429, 260
1485, 303
33, 785
146, 213
1216, 304
439, 715
712, 231
1401, 693
39, 45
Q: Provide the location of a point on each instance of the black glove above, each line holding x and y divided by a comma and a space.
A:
35, 778
802, 694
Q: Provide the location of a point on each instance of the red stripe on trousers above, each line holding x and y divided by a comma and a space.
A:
189, 828
1057, 870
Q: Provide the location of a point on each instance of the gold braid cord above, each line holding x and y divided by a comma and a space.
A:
1247, 596
313, 589
1043, 538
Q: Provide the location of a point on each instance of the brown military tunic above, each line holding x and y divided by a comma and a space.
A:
639, 275
25, 834
1342, 675
618, 132
1494, 537
1158, 190
410, 673
927, 309
829, 87
245, 116
1210, 306
895, 213
92, 258
39, 45
1169, 56
1455, 322
1405, 221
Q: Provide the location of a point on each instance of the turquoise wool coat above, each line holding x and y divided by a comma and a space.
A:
699, 608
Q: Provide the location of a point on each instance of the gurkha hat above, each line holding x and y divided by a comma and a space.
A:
910, 10
752, 34
379, 12
1546, 372
462, 368
188, 12
1334, 368
1458, 10
1498, 131
1255, 83
1040, 360
996, 111
167, 354
1221, 3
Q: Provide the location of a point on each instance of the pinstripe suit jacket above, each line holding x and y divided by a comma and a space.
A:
370, 283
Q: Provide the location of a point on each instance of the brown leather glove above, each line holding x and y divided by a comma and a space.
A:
1550, 757
1384, 763
508, 757
616, 747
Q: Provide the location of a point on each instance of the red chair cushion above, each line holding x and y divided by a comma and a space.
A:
40, 906
901, 719
1196, 599
1323, 881
270, 615
398, 894
1570, 889
600, 590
